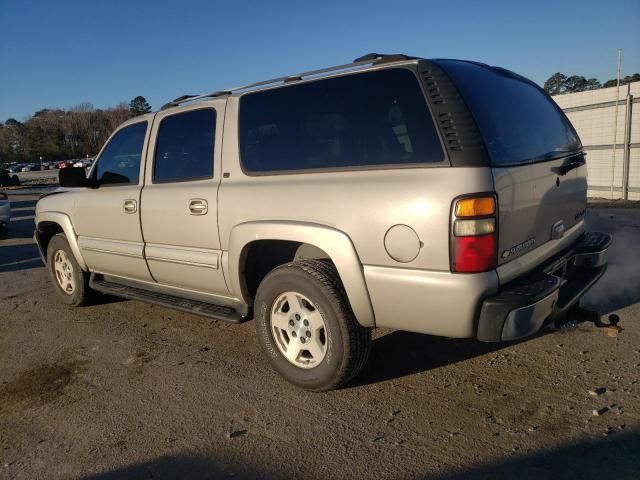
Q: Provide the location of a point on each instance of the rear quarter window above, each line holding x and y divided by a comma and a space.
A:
518, 121
360, 120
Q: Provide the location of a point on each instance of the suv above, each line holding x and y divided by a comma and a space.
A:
443, 197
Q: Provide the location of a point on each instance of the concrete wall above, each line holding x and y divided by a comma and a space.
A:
592, 114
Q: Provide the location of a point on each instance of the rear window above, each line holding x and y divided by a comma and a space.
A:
518, 121
367, 119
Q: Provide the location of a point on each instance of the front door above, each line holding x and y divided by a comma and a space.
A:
179, 202
107, 218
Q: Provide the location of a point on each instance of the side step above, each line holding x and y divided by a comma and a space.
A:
216, 312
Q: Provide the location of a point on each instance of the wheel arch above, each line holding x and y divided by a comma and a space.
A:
310, 241
49, 224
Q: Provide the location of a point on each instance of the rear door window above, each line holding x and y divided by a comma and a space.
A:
184, 149
518, 121
360, 120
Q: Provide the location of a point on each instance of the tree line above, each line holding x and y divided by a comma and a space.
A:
64, 134
559, 83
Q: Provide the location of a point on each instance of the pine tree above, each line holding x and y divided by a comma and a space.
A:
139, 106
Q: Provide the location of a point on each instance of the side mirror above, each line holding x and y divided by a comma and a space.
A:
73, 177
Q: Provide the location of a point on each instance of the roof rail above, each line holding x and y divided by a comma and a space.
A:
188, 98
369, 59
378, 58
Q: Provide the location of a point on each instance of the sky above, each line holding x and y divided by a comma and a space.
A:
63, 53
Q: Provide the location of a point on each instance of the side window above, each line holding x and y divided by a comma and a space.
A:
365, 119
119, 163
184, 149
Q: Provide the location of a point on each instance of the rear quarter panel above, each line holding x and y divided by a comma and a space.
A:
364, 204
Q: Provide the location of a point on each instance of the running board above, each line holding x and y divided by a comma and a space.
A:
216, 312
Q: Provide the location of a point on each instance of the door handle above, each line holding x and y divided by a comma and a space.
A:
198, 206
130, 206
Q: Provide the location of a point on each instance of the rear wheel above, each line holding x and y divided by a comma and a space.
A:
69, 281
306, 326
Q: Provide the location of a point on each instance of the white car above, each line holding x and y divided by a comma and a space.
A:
5, 210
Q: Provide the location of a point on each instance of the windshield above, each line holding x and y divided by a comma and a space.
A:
518, 121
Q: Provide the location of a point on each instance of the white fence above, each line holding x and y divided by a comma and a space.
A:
592, 114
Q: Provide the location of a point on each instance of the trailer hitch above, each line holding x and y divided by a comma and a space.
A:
578, 314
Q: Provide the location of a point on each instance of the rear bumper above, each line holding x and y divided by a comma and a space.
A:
524, 305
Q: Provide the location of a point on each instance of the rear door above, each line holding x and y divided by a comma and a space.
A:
536, 158
179, 201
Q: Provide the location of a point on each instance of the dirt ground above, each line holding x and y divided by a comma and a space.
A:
134, 391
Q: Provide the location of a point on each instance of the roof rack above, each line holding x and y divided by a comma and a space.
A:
369, 59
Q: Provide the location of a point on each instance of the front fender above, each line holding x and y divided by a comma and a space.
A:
334, 242
67, 227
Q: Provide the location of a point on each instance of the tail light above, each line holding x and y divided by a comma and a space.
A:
474, 234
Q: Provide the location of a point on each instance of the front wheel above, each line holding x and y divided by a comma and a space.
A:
69, 281
305, 325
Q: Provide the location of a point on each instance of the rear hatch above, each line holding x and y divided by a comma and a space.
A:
536, 157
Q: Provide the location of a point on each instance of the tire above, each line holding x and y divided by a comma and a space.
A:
337, 350
71, 283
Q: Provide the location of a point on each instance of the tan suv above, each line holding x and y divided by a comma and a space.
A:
436, 196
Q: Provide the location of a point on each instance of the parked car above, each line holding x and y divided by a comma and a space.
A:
64, 164
32, 167
442, 197
5, 211
7, 179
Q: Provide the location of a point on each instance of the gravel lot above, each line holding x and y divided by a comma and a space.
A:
128, 390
